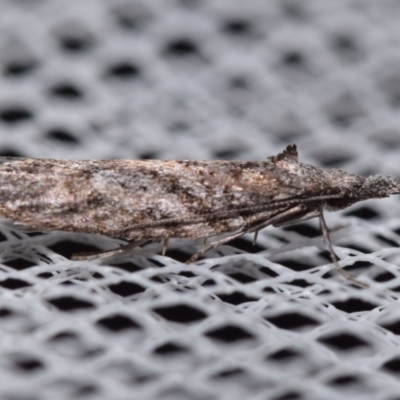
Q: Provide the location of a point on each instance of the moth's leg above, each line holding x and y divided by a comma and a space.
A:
255, 238
336, 228
164, 249
101, 255
256, 226
328, 242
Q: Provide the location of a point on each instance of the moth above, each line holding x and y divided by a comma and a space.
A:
153, 200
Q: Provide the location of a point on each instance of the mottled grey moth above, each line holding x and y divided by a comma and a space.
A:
152, 200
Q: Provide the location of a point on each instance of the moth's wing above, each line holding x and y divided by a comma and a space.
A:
122, 197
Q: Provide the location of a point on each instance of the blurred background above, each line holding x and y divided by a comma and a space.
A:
204, 79
201, 79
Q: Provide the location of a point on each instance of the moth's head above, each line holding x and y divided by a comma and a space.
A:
379, 186
354, 188
348, 186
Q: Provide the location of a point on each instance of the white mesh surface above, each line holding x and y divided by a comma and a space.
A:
204, 79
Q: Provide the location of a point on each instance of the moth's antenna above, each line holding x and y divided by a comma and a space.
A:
327, 239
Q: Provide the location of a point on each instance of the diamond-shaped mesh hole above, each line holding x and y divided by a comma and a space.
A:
180, 313
125, 289
345, 381
392, 365
343, 341
229, 334
363, 212
292, 321
236, 298
118, 323
66, 91
68, 303
19, 264
12, 284
354, 305
15, 114
170, 348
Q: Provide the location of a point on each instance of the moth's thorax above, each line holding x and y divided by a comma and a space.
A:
345, 184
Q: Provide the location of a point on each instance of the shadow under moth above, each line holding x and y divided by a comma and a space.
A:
153, 200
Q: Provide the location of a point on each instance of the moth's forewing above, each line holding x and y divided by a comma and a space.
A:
123, 198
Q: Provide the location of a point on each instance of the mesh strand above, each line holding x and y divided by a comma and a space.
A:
200, 80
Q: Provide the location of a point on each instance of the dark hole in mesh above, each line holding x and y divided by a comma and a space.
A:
66, 335
12, 283
363, 212
386, 240
181, 48
237, 27
118, 323
18, 68
75, 43
28, 364
67, 91
354, 305
346, 47
170, 349
180, 313
86, 390
227, 154
15, 114
67, 248
300, 283
148, 156
229, 373
345, 380
5, 312
304, 230
62, 135
209, 282
284, 355
335, 160
126, 288
188, 274
246, 246
385, 277
243, 278
294, 265
236, 298
177, 255
124, 70
68, 303
19, 264
292, 321
239, 82
268, 272
344, 43
293, 59
44, 275
393, 327
343, 341
292, 395
392, 365
229, 334
10, 153
127, 266
157, 279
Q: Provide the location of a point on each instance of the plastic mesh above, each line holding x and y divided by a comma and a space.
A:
203, 79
